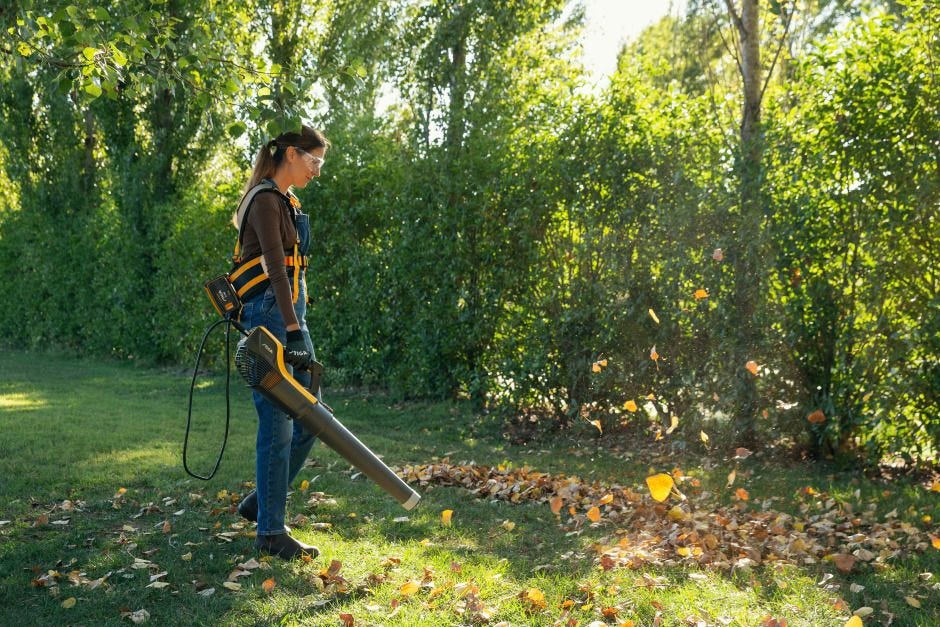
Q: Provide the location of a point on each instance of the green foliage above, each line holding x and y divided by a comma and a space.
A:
486, 227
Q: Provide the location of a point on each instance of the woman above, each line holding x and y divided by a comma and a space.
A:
273, 230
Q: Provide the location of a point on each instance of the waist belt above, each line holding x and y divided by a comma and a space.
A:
249, 279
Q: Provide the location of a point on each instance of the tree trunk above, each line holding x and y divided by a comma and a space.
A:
747, 280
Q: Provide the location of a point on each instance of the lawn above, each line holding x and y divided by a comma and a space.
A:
100, 525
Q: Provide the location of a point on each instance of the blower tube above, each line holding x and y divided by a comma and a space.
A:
259, 358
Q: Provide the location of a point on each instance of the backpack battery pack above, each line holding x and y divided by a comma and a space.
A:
223, 297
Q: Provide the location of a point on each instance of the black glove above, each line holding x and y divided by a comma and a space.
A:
296, 350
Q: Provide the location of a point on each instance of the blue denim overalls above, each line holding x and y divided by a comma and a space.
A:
282, 445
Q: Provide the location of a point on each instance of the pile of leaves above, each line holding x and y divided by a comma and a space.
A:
646, 529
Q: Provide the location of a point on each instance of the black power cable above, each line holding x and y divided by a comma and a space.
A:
228, 373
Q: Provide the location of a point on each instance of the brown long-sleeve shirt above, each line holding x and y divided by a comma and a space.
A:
269, 232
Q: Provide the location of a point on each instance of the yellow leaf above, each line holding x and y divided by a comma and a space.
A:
594, 514
69, 602
231, 585
855, 621
704, 437
751, 367
660, 486
912, 601
653, 316
445, 517
268, 585
595, 367
606, 499
700, 294
684, 551
509, 525
603, 363
556, 505
731, 477
673, 423
935, 486
597, 423
536, 597
304, 485
630, 406
409, 588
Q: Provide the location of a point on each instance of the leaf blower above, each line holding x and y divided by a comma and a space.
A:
259, 358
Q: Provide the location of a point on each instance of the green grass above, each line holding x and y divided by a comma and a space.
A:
75, 432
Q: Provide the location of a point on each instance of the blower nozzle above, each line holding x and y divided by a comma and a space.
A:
260, 360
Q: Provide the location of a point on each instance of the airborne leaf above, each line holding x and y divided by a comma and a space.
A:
446, 516
660, 486
630, 406
654, 317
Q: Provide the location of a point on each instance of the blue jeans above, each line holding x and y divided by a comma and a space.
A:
283, 444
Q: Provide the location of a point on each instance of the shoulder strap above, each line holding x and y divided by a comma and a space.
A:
245, 206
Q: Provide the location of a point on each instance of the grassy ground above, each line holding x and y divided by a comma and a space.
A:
99, 524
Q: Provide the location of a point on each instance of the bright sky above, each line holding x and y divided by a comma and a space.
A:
611, 23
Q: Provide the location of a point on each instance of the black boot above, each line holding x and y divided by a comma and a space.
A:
248, 507
284, 546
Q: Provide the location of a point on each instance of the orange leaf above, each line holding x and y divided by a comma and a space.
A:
751, 367
718, 254
595, 367
630, 406
409, 588
268, 585
742, 494
594, 514
535, 597
741, 453
167, 527
653, 354
597, 424
445, 517
348, 620
606, 499
700, 294
816, 417
935, 541
660, 486
556, 505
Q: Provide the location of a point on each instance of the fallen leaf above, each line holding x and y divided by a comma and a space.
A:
556, 504
660, 486
167, 527
751, 367
231, 585
69, 602
595, 367
268, 585
912, 602
304, 485
409, 588
653, 316
718, 254
742, 494
446, 516
630, 406
535, 598
594, 514
731, 477
700, 294
935, 541
855, 621
607, 499
704, 437
597, 424
816, 417
741, 453
673, 423
140, 616
508, 525
845, 562
864, 611
347, 619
